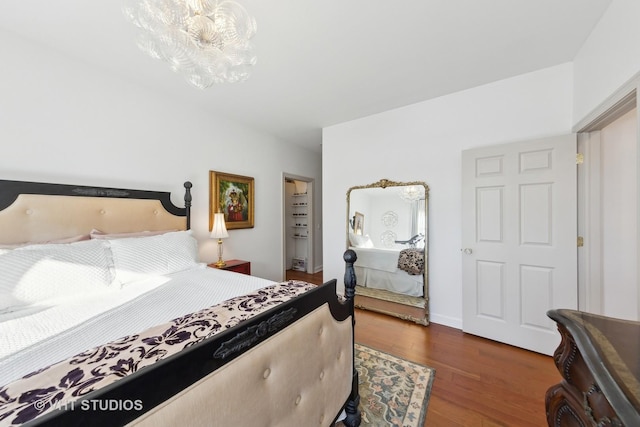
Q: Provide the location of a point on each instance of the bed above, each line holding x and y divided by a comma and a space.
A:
393, 270
107, 318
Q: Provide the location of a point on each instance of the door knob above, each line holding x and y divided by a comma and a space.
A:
467, 251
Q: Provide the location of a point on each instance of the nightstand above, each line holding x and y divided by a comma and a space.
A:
237, 265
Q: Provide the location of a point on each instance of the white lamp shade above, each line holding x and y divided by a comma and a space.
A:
219, 230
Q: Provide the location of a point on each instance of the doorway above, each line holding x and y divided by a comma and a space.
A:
608, 217
298, 223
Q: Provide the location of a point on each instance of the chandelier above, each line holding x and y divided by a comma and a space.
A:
412, 193
207, 41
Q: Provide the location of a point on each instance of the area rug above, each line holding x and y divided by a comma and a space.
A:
393, 391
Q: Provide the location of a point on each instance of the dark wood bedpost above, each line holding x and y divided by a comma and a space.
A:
187, 202
353, 413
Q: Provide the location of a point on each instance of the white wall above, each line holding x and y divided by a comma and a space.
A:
433, 133
373, 205
608, 58
423, 142
64, 121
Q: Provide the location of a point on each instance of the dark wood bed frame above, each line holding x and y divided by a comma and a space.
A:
166, 378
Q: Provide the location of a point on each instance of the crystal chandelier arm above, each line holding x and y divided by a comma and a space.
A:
206, 41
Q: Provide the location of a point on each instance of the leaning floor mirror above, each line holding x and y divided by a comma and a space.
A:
387, 228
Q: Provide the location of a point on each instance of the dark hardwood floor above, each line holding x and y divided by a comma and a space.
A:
478, 382
299, 275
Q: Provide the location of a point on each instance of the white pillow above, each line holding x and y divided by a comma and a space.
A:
9, 303
71, 239
35, 273
360, 241
97, 234
365, 242
136, 258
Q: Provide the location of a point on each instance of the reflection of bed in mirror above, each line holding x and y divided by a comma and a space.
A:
379, 268
391, 243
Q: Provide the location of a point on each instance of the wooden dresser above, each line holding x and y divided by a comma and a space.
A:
599, 360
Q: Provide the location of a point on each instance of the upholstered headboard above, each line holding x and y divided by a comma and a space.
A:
39, 212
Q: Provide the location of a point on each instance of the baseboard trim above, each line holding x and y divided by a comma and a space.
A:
452, 322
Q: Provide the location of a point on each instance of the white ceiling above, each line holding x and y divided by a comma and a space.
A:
322, 62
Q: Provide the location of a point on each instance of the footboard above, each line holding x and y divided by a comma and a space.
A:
295, 378
290, 365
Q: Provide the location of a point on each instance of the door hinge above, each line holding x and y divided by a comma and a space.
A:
579, 158
580, 241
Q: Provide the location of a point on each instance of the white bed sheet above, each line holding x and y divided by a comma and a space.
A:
377, 258
399, 282
45, 334
377, 268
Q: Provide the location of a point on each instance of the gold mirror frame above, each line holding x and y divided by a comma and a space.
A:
412, 308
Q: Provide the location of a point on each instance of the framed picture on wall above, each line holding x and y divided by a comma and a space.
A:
358, 223
232, 195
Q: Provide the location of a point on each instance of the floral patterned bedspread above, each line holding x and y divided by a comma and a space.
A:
411, 261
62, 383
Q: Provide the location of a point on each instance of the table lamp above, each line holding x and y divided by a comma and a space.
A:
219, 232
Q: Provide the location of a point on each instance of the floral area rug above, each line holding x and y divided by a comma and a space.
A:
393, 391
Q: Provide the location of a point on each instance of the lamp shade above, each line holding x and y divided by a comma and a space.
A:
219, 230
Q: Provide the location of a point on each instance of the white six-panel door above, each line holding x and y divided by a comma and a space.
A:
519, 256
